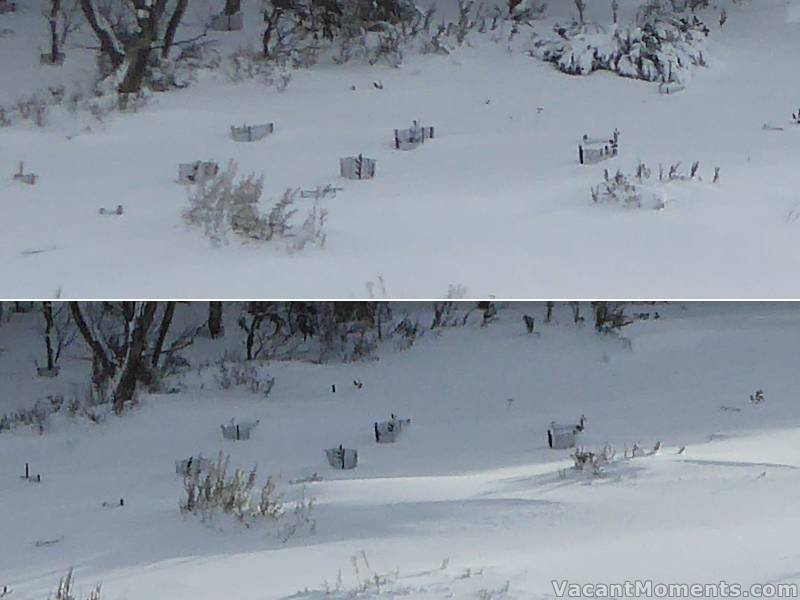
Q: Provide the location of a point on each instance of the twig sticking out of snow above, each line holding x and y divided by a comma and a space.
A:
51, 542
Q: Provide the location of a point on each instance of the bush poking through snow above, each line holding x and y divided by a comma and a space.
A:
244, 375
621, 190
65, 590
221, 204
636, 191
213, 490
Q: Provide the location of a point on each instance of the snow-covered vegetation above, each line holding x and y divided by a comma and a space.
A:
687, 420
661, 45
102, 125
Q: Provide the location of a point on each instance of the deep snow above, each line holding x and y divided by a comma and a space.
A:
469, 500
497, 203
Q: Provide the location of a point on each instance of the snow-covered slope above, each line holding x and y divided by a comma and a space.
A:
469, 501
497, 203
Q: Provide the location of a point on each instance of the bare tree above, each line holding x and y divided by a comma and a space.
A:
59, 332
128, 40
255, 315
122, 336
61, 22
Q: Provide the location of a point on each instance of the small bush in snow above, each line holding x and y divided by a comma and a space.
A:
65, 590
637, 191
405, 333
244, 375
621, 190
221, 204
213, 490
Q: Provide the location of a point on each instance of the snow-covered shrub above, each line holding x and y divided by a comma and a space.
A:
300, 517
660, 46
636, 191
246, 64
593, 462
311, 231
610, 317
620, 190
526, 10
405, 333
244, 375
223, 204
212, 490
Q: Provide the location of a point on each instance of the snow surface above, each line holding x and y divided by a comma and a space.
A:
470, 501
497, 203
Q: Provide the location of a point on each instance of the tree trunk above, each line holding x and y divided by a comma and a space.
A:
103, 368
131, 368
55, 53
172, 27
215, 327
47, 311
232, 7
163, 329
137, 67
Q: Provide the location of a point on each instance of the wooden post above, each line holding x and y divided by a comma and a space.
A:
580, 153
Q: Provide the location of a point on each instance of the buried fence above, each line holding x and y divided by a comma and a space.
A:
357, 167
234, 22
238, 431
387, 432
408, 139
561, 436
31, 478
252, 133
47, 371
111, 211
595, 150
342, 458
196, 171
23, 177
670, 87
